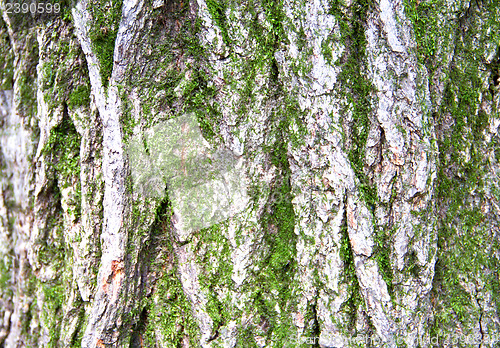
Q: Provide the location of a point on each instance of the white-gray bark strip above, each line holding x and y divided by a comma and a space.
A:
407, 167
105, 315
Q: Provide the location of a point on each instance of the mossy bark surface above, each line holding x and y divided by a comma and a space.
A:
349, 184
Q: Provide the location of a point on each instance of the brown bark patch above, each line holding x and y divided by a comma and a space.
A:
117, 276
351, 219
116, 269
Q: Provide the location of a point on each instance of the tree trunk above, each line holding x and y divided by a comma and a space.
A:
224, 173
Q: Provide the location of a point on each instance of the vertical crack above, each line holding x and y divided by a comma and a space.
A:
350, 277
480, 316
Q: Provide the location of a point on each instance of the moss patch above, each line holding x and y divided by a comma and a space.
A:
64, 74
6, 59
357, 90
465, 234
106, 15
217, 9
214, 253
52, 311
26, 79
5, 277
63, 148
80, 96
274, 299
167, 314
355, 300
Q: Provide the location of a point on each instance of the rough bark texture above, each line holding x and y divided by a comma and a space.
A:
366, 133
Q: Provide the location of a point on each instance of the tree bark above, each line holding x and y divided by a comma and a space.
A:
223, 173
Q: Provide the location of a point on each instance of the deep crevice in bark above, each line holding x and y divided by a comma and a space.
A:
355, 300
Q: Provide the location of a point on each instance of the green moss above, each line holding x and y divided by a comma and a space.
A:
217, 9
56, 296
163, 317
464, 237
26, 79
356, 89
214, 253
246, 337
53, 301
6, 59
172, 315
382, 254
275, 15
106, 15
355, 300
5, 277
127, 122
52, 294
76, 341
182, 90
63, 148
65, 140
64, 75
80, 96
168, 311
411, 263
423, 14
274, 298
31, 315
278, 265
198, 95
